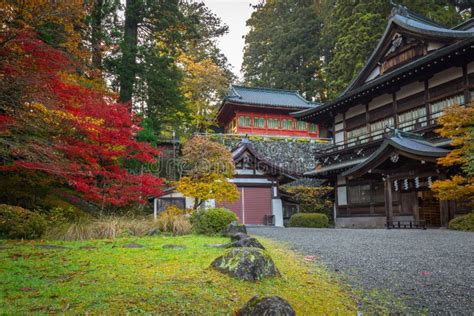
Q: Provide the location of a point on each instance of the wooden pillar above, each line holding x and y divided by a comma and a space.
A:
155, 209
467, 93
395, 110
427, 103
443, 208
444, 213
388, 200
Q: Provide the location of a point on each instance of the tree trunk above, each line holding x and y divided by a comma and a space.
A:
127, 69
96, 38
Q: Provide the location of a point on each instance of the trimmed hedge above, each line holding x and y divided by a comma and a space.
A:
17, 222
465, 222
212, 221
315, 220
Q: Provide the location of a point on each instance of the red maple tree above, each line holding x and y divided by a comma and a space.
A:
56, 120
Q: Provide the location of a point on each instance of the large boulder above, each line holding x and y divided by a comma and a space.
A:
271, 306
245, 242
234, 228
248, 264
238, 236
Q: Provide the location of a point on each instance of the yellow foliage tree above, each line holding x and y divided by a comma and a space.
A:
203, 84
208, 165
457, 124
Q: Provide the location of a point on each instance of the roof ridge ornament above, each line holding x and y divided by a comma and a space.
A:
398, 9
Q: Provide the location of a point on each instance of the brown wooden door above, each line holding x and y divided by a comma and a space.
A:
429, 209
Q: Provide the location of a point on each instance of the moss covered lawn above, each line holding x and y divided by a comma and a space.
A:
116, 280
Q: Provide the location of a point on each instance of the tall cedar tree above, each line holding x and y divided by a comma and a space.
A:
319, 46
282, 48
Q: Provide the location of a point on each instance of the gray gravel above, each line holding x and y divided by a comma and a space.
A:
429, 270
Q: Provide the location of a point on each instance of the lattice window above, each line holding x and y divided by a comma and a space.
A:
259, 122
357, 135
413, 119
438, 107
377, 128
312, 128
244, 121
273, 123
300, 125
286, 124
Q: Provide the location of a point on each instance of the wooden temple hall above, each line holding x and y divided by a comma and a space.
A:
383, 158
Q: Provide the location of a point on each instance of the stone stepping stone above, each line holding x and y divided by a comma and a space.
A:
132, 246
50, 247
88, 247
215, 245
177, 247
270, 305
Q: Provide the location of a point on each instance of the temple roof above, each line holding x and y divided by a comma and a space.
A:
409, 25
268, 97
398, 143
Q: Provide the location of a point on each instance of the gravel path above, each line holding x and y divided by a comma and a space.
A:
428, 270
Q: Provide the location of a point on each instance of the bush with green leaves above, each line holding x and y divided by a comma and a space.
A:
315, 220
212, 221
464, 222
19, 223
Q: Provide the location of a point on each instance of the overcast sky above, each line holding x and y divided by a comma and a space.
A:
234, 13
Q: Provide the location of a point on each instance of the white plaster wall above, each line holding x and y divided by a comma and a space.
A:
277, 211
445, 76
338, 118
339, 126
355, 110
373, 74
341, 196
341, 180
410, 89
379, 101
470, 67
434, 46
339, 137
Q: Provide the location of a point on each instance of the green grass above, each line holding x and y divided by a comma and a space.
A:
116, 280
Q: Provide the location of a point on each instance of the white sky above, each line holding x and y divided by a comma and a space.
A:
234, 13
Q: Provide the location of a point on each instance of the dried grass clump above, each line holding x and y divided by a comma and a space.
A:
104, 228
174, 220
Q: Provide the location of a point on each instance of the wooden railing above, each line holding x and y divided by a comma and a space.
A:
414, 125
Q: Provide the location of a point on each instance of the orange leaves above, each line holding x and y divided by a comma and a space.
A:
456, 188
458, 125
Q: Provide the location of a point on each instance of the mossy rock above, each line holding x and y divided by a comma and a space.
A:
245, 242
234, 228
270, 305
248, 264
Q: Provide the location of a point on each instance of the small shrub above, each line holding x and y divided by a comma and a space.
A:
465, 222
17, 222
315, 220
175, 220
212, 221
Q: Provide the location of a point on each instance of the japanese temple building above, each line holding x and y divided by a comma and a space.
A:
279, 156
264, 111
383, 158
